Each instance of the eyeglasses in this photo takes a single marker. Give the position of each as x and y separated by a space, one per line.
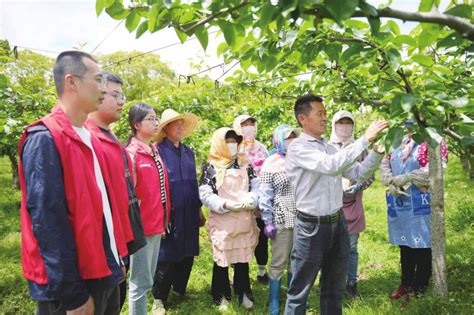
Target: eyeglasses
152 119
119 97
102 81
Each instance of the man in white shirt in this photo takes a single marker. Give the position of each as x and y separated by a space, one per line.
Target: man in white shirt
321 239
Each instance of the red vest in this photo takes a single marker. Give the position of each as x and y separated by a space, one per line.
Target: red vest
147 187
116 170
84 203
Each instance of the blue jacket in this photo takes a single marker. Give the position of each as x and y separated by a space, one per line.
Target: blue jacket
183 239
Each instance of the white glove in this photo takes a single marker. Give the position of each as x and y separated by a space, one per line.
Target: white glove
401 180
233 206
249 204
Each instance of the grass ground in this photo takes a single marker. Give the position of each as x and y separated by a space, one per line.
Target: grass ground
378 262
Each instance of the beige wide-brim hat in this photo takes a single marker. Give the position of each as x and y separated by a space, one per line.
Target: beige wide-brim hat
169 115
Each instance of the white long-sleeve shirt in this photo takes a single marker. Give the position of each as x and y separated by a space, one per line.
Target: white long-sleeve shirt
315 168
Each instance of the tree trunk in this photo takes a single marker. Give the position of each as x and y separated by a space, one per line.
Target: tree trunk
437 222
14 168
464 157
470 157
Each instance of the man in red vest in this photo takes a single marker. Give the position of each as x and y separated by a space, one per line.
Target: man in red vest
73 235
119 165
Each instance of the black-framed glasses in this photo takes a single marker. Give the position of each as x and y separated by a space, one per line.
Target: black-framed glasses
119 97
102 81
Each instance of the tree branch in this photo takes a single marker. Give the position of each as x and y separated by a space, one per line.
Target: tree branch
452 134
377 103
462 26
213 16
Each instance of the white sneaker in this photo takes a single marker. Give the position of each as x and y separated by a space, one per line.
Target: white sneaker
224 305
246 302
158 307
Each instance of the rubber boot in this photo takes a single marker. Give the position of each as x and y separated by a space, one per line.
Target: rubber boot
274 305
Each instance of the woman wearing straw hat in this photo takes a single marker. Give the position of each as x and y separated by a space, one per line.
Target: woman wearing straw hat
229 188
181 244
246 126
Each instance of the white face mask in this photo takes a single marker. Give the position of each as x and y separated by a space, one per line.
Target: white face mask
344 132
249 132
232 147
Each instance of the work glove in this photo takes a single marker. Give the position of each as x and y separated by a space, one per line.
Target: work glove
270 230
352 190
419 180
233 206
249 204
396 191
401 180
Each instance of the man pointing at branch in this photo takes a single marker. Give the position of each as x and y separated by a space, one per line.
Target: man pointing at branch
321 239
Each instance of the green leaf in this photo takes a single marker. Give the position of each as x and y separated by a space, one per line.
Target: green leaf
404 39
351 51
109 3
229 33
202 36
132 21
426 5
266 15
434 137
393 27
221 48
442 70
368 9
271 63
394 58
407 102
99 6
419 136
459 102
333 51
423 60
356 24
374 25
152 14
467 141
116 11
461 10
141 29
452 40
429 35
394 138
3 81
341 9
182 36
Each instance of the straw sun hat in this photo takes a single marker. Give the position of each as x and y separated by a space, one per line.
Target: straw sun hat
169 115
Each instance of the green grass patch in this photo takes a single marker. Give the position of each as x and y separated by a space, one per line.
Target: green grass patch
378 260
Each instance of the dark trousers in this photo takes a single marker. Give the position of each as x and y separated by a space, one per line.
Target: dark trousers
318 246
220 282
106 302
261 251
123 284
172 274
416 267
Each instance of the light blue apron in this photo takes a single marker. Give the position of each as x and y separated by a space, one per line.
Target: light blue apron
408 217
